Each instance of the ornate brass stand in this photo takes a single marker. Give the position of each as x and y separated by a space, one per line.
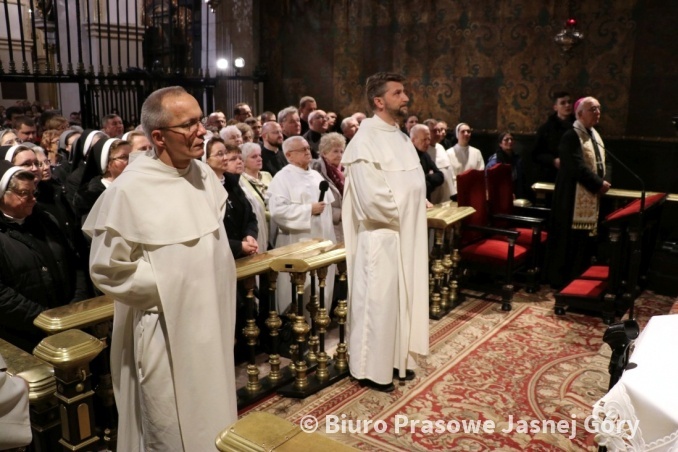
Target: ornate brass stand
70 352
327 372
247 268
443 276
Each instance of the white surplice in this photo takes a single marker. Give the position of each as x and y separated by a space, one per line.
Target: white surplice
289 196
443 192
159 248
385 234
464 158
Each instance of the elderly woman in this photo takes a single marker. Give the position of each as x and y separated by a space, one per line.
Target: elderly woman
331 148
254 183
231 135
582 178
240 222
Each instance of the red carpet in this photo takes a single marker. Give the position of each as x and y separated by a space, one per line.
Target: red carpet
485 365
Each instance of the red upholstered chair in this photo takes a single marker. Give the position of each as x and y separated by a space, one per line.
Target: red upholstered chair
530 222
487 249
611 289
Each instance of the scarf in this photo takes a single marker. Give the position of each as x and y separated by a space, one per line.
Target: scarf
336 176
257 184
586 204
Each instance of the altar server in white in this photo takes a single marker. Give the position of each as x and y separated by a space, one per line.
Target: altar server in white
297 213
385 233
159 248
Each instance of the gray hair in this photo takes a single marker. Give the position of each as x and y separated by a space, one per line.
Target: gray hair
228 130
346 121
19 175
314 113
248 148
285 112
153 114
418 128
288 143
330 141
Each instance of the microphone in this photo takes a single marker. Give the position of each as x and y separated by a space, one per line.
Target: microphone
623 165
324 186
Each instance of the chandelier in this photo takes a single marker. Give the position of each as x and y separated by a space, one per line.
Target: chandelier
569 37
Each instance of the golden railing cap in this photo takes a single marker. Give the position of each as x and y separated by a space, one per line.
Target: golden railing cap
38 374
311 260
76 315
263 432
443 215
260 263
69 348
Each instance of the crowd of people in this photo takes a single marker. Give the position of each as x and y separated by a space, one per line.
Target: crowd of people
168 207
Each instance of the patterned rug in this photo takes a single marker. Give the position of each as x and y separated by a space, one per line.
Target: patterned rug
522 380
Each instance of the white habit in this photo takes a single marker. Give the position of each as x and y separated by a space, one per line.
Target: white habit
442 161
159 248
464 158
15 425
290 195
385 233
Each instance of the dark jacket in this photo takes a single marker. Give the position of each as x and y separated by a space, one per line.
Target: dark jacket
240 220
434 177
272 162
546 146
38 271
513 159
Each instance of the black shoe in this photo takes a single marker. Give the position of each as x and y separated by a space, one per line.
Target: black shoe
409 375
365 383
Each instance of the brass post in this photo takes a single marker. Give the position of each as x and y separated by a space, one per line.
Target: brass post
312 307
435 306
341 313
300 329
70 352
321 322
274 324
251 332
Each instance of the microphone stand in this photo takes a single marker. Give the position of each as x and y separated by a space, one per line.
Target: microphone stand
623 165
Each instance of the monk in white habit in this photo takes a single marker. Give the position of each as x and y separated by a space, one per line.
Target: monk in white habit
293 199
159 248
385 233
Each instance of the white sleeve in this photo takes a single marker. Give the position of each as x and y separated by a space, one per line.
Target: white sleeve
372 197
15 424
120 269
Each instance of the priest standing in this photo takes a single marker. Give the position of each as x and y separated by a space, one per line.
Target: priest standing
386 235
159 248
297 212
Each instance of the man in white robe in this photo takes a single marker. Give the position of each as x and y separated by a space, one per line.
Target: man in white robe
159 248
293 200
385 233
15 424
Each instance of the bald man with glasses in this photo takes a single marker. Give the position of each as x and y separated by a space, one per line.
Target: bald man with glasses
160 249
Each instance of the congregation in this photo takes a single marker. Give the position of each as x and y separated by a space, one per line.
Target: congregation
269 180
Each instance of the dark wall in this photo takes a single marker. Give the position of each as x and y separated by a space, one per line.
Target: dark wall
490 63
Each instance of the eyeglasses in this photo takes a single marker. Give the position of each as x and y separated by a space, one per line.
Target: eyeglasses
191 126
30 164
304 149
507 139
25 194
121 157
